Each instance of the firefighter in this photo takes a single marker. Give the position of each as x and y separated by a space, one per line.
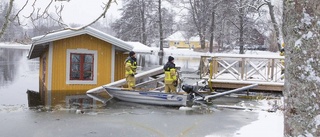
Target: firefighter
282 53
131 67
170 78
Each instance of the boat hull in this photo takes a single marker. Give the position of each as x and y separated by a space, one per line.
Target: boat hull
148 97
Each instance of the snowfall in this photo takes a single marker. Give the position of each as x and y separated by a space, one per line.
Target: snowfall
269 124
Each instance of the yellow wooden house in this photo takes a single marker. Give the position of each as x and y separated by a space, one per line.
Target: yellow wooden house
179 39
72 62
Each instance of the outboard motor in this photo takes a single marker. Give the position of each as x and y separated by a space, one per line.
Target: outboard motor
187 88
190 90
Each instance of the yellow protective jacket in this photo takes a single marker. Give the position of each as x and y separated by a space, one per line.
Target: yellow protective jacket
170 73
282 54
130 66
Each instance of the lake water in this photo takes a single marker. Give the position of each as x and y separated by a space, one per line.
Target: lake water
116 118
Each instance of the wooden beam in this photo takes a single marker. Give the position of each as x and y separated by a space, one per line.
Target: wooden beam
261 87
139 76
150 81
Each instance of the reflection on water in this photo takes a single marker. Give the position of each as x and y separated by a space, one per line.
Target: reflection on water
9 64
17 75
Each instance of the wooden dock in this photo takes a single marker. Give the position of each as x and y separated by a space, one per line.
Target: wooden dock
234 71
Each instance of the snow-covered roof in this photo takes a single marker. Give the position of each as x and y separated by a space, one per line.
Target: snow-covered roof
177 36
37 42
140 48
181 36
14 46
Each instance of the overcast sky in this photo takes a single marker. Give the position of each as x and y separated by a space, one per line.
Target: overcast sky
75 11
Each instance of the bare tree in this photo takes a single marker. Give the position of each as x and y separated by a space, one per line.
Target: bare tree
212 26
132 26
141 21
160 29
7 20
273 20
301 27
200 11
38 13
243 10
13 31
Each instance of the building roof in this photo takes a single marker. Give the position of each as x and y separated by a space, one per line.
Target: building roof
40 43
181 36
140 48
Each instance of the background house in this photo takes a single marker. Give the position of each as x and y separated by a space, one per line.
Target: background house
180 39
72 62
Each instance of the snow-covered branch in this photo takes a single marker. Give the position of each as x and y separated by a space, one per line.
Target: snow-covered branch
38 13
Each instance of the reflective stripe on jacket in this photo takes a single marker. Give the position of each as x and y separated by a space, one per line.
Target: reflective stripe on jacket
170 73
130 66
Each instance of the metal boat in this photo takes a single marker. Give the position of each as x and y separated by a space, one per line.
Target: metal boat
148 97
156 96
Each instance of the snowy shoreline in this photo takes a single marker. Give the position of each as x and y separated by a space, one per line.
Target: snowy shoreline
14 45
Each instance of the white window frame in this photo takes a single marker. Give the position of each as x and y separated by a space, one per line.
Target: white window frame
95 66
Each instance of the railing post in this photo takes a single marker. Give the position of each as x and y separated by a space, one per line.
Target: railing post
269 77
214 66
272 69
201 65
242 67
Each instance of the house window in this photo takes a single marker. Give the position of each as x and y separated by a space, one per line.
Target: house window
81 66
176 43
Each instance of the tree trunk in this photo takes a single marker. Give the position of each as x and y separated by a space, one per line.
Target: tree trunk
241 28
6 21
202 41
161 33
275 24
143 23
301 27
212 31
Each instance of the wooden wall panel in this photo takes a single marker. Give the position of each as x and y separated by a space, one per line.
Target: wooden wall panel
120 58
43 83
88 42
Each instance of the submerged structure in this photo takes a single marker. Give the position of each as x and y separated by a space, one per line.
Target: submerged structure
72 62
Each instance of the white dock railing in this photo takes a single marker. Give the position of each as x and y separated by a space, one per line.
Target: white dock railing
242 68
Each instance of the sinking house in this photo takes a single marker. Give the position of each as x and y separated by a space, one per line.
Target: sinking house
72 62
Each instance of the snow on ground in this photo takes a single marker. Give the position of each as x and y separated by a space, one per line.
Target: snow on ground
269 124
192 53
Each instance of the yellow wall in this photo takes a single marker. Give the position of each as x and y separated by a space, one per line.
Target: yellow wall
88 42
59 88
119 65
182 44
